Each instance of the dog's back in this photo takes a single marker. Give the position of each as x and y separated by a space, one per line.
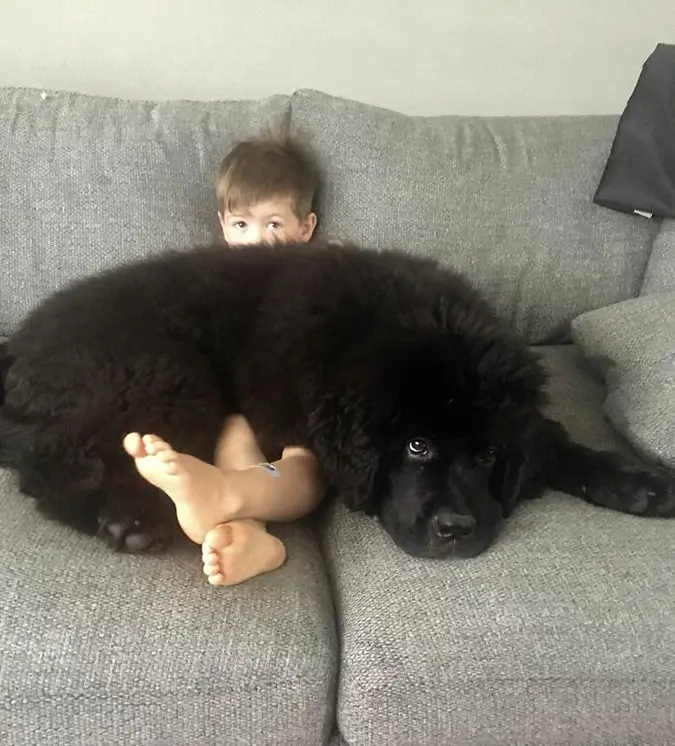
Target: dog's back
143 347
156 346
176 343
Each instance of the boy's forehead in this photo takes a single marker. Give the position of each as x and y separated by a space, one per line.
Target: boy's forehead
275 206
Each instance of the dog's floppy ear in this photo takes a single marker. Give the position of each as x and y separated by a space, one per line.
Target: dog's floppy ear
344 435
514 478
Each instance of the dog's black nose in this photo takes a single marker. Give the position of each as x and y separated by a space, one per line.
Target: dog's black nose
449 525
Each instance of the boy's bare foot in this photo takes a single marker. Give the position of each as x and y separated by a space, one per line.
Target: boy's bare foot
199 490
239 550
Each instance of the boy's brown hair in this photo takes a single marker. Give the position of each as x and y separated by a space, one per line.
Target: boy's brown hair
259 170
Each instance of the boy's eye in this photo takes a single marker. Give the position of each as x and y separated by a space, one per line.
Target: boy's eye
240 224
274 225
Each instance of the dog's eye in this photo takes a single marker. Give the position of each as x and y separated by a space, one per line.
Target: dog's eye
487 457
418 447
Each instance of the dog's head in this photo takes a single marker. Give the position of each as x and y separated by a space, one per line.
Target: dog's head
440 444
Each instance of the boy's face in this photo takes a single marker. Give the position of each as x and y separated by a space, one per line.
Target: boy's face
266 222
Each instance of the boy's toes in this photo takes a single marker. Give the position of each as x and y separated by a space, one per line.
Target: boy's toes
133 445
217 539
212 569
217 579
210 560
166 455
154 444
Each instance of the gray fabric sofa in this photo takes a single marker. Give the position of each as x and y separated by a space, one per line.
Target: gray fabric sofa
563 633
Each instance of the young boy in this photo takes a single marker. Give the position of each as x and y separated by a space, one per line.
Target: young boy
265 192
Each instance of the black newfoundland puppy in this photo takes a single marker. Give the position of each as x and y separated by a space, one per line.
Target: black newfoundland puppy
420 406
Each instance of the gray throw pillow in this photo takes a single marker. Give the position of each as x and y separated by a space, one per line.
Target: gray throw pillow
660 273
632 344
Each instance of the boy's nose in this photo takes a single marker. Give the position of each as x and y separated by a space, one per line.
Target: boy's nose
254 234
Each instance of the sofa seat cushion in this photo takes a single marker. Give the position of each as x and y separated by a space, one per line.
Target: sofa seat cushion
562 633
108 649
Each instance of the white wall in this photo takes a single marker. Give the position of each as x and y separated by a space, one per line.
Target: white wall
417 56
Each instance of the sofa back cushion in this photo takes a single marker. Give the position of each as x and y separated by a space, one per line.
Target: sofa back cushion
509 201
88 182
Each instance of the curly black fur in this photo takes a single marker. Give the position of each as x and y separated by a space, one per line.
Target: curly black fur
5 362
419 404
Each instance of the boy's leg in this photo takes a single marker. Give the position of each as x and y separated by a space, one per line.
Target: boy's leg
235 549
206 495
237 446
295 488
240 549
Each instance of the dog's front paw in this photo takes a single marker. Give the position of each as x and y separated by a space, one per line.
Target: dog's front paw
130 531
645 491
658 492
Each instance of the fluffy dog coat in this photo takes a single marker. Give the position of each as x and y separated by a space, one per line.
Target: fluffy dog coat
420 405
